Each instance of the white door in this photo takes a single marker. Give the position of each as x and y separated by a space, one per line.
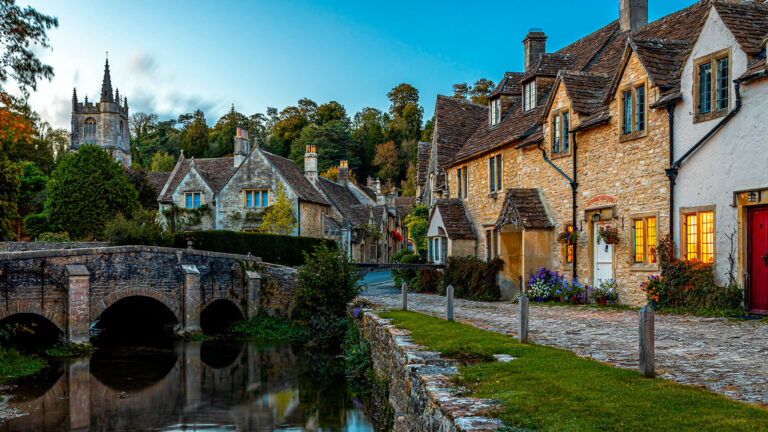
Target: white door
603 258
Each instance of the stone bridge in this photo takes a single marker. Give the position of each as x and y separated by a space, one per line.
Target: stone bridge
73 287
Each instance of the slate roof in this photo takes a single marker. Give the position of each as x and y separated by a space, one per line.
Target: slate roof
509 85
215 171
157 180
523 207
422 162
455 219
662 59
549 64
455 121
343 199
747 21
295 178
585 90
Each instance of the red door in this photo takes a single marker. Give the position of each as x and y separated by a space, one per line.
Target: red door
758 260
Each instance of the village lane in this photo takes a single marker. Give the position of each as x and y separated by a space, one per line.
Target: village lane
726 356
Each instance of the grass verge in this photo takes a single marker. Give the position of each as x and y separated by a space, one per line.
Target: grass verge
14 364
549 389
270 329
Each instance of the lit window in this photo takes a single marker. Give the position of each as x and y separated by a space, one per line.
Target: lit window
560 133
633 109
569 248
713 77
645 240
699 236
494 172
529 96
192 200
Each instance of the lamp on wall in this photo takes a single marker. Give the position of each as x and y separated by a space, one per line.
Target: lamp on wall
595 217
752 197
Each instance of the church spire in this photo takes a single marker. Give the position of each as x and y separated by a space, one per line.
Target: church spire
106 85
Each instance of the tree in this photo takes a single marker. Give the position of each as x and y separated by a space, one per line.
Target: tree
162 162
368 131
279 218
142 124
10 181
426 133
223 133
333 142
332 174
460 91
400 97
32 189
418 223
408 186
329 112
194 140
480 91
286 130
140 181
86 190
387 159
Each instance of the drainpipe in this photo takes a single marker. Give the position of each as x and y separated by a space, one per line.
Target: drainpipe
671 172
574 187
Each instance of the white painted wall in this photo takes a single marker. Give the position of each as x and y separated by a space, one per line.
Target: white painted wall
736 158
435 223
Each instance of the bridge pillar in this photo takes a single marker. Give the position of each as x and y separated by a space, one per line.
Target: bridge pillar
191 297
80 395
253 285
78 316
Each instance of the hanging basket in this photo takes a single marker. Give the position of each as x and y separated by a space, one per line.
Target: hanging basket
568 238
608 235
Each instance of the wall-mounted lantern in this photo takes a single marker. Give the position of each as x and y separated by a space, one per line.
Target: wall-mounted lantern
752 197
595 217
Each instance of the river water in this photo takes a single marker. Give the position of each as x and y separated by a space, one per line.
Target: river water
191 386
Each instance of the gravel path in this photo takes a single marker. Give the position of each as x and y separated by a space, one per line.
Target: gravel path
726 356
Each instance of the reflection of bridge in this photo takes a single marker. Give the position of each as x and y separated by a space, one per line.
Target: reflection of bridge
248 388
73 287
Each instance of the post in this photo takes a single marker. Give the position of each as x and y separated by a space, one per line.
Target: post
78 311
253 285
522 312
191 290
646 342
405 296
449 303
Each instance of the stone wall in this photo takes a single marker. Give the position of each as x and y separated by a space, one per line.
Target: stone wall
254 173
279 286
420 388
33 246
312 218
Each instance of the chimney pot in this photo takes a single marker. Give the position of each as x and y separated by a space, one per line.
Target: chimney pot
343 174
535 44
633 14
242 146
310 163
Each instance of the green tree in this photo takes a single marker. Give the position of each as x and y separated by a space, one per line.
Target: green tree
408 186
286 131
10 182
86 190
480 91
461 90
329 112
418 223
223 133
404 104
140 180
333 141
162 162
367 132
426 133
32 189
278 218
194 134
387 159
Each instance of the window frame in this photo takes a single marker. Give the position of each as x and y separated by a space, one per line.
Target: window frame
89 130
459 183
192 194
495 173
494 112
491 244
697 211
569 249
260 192
714 79
529 95
560 120
634 131
648 257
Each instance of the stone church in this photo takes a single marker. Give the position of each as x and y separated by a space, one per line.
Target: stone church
104 123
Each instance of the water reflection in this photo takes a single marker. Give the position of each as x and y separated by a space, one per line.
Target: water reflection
193 386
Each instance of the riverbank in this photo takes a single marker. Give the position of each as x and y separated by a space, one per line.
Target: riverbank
544 388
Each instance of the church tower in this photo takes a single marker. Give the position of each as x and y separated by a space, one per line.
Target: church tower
104 123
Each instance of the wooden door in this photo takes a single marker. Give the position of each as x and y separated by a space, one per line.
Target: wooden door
603 257
758 260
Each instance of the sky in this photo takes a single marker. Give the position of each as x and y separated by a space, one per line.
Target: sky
172 57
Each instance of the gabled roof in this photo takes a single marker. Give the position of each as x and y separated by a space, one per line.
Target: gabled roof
422 162
662 59
524 208
586 91
158 179
214 171
295 179
344 200
509 85
455 121
748 21
548 65
455 219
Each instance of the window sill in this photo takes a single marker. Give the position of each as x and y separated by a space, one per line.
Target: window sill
493 195
560 155
644 267
700 118
632 136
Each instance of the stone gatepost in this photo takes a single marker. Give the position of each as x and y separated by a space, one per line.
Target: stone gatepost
191 296
253 285
78 304
79 381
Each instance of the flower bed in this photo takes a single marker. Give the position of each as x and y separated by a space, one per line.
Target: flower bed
546 285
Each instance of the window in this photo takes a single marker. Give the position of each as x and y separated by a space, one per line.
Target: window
466 191
89 130
560 133
712 85
633 107
491 244
529 96
569 247
458 182
434 249
495 111
644 237
253 198
192 200
699 236
494 172
120 132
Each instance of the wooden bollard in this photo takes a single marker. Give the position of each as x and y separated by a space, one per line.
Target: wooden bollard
404 287
522 314
647 342
449 303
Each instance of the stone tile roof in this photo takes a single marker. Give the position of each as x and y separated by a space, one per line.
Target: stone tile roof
757 69
662 59
157 180
748 21
343 199
455 219
509 85
585 90
549 64
599 117
368 191
295 179
422 162
215 171
524 208
455 121
587 51
405 201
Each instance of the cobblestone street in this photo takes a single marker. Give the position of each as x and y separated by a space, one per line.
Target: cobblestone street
729 357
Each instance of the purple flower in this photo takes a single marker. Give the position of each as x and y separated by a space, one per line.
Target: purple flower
356 312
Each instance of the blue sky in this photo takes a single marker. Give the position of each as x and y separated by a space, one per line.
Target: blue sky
172 57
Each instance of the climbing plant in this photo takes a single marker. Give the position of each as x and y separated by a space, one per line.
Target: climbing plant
180 219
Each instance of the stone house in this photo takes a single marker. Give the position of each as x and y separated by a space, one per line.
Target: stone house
579 140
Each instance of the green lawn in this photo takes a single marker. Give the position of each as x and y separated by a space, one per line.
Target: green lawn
548 389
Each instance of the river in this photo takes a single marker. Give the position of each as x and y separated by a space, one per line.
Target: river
190 386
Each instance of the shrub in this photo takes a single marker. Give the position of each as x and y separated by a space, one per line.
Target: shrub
36 224
418 223
472 278
272 248
405 256
270 329
53 237
144 228
545 284
430 280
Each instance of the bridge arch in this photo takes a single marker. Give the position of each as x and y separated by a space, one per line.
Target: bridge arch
110 299
218 313
20 308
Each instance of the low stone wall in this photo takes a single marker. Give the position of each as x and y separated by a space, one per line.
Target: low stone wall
420 388
279 287
33 246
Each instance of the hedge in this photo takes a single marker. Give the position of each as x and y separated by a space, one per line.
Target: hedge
272 248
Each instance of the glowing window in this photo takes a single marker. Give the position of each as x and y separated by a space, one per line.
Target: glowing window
699 236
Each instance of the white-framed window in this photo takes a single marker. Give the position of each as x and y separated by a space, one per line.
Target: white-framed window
529 96
494 172
255 198
495 114
560 132
193 200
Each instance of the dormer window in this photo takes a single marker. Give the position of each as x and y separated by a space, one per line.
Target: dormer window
712 85
495 111
529 96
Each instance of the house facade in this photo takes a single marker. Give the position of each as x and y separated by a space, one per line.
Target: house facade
584 139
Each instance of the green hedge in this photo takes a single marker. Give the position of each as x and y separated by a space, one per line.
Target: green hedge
473 278
272 248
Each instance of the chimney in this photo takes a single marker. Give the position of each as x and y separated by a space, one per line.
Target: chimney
633 14
343 175
535 44
242 146
380 197
310 163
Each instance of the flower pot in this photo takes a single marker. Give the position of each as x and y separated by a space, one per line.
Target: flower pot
575 299
601 301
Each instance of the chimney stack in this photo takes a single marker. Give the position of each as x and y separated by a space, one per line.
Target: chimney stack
380 197
633 14
310 163
242 145
343 175
535 44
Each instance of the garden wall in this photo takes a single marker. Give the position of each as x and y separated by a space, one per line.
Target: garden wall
420 388
33 246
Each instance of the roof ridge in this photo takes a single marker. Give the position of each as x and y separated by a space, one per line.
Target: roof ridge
460 100
585 73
